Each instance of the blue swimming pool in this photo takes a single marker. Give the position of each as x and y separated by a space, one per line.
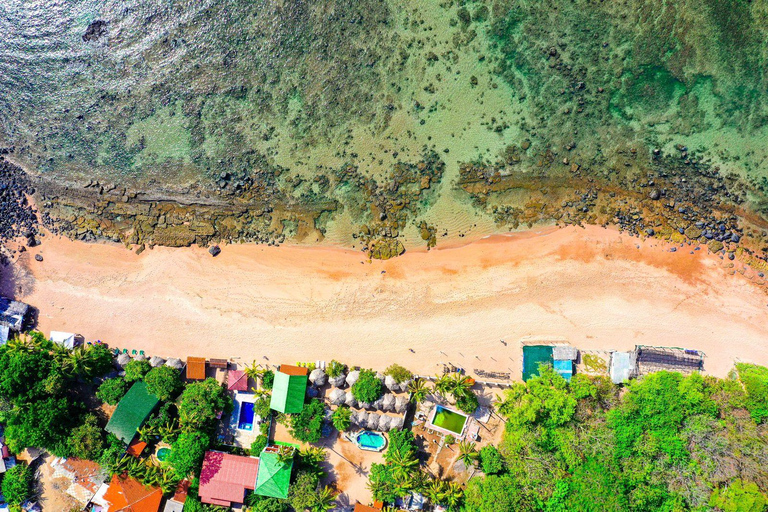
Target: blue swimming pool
371 441
246 416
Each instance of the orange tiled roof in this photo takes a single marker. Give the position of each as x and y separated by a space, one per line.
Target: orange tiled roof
292 370
129 495
196 368
136 447
359 507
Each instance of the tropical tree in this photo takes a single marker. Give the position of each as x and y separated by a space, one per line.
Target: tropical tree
136 370
403 464
435 491
325 499
163 382
200 404
285 454
453 495
368 387
443 384
342 418
17 484
467 453
418 389
112 390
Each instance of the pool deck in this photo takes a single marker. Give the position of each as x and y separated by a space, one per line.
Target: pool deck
243 438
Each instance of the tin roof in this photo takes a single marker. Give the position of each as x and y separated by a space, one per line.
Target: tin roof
225 477
196 368
131 412
237 380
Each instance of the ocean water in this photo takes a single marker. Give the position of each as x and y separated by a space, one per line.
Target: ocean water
168 93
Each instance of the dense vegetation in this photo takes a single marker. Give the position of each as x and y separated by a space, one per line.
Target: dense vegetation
368 387
671 442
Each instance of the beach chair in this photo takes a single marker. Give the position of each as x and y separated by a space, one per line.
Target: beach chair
125 351
133 352
117 351
141 352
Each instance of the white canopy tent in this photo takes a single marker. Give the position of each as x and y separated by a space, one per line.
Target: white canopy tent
66 339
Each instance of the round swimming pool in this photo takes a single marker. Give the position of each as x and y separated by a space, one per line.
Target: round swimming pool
371 441
162 453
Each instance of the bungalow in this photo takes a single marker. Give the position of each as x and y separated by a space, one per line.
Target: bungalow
126 494
65 339
224 478
131 412
12 314
289 389
274 477
195 368
84 477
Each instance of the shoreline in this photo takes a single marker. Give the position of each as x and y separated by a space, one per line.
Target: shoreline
593 287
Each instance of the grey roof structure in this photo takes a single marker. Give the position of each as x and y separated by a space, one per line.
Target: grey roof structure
564 353
12 313
622 366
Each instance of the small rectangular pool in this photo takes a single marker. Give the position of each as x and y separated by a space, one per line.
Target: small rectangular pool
449 420
245 421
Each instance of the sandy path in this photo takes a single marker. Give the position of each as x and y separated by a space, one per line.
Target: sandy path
594 288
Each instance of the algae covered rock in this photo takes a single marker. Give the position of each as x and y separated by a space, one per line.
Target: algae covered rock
386 248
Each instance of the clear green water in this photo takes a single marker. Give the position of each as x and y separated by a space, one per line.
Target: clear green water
176 92
163 454
449 420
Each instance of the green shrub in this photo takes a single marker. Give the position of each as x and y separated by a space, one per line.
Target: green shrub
491 460
163 382
112 390
342 418
399 373
268 379
87 440
335 368
306 426
258 445
739 496
136 370
17 484
187 453
755 380
467 401
368 387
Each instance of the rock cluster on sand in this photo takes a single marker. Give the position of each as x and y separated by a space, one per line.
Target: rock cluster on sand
17 217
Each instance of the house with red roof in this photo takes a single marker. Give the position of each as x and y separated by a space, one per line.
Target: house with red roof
224 478
237 380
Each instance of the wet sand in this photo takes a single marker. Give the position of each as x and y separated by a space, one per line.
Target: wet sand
595 288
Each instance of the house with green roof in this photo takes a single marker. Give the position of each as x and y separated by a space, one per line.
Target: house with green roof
274 476
131 412
289 389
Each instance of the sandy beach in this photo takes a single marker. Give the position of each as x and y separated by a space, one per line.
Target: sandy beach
595 288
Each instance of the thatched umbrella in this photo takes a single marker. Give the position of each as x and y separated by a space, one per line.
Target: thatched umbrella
140 357
388 402
363 405
384 421
155 361
391 384
373 421
358 418
401 404
378 404
336 396
338 381
404 385
122 360
318 377
396 422
352 377
349 399
174 363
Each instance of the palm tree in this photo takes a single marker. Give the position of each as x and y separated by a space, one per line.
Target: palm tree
285 454
467 453
403 465
453 495
435 491
460 384
147 433
118 465
21 343
323 500
443 384
78 363
255 371
168 482
418 390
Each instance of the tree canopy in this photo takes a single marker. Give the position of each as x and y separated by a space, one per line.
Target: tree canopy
306 426
368 387
200 404
163 382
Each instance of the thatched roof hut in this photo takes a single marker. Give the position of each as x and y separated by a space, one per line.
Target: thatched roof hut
384 422
122 360
174 363
352 377
388 402
156 361
373 421
401 404
339 381
337 396
391 384
318 377
349 399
